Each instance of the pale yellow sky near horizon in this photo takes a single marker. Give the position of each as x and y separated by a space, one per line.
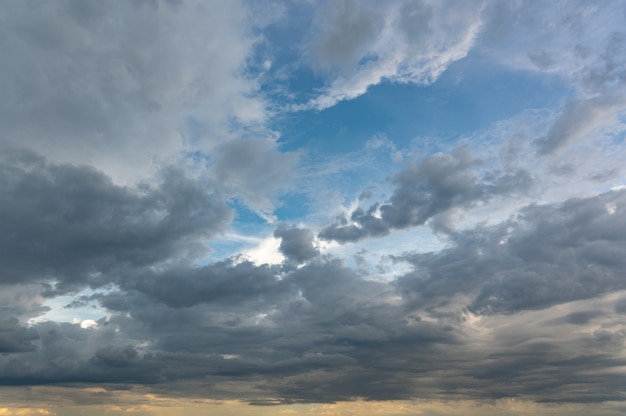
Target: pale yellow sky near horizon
153 405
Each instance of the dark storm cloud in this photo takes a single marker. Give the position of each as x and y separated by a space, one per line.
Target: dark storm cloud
71 224
323 333
322 317
296 243
224 282
66 353
548 255
15 338
424 190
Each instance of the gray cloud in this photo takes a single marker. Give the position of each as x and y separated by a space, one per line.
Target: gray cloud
296 243
581 317
322 317
22 301
107 85
223 282
15 338
361 43
579 118
71 225
346 32
255 170
323 333
607 72
549 255
425 190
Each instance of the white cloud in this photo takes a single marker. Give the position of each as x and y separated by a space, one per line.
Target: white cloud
363 43
88 323
266 252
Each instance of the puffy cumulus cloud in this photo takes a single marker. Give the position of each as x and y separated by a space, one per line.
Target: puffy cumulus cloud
296 243
71 225
427 189
124 86
363 43
549 254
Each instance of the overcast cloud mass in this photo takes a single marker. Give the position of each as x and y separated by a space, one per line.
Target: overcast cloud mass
322 207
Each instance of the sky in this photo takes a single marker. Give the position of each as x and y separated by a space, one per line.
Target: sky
312 207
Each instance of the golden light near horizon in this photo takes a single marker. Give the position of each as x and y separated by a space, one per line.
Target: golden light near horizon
504 407
133 402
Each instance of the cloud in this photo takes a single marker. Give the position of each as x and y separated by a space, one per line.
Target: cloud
71 226
15 338
581 118
223 282
586 53
549 255
321 317
427 189
347 29
296 243
22 301
363 43
356 45
526 306
255 170
128 86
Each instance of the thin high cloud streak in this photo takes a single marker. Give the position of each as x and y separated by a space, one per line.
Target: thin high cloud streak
137 134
